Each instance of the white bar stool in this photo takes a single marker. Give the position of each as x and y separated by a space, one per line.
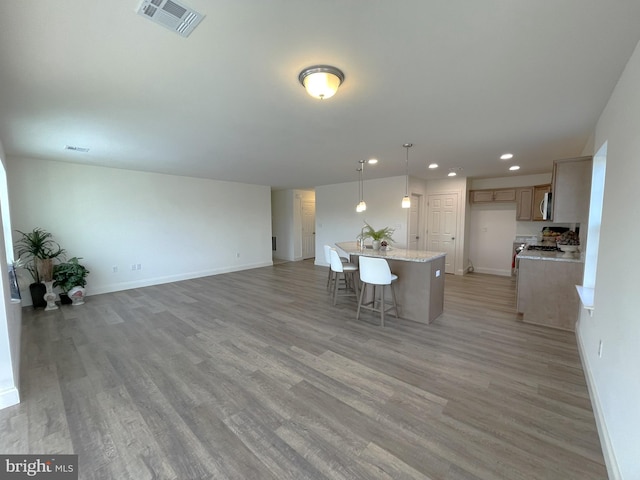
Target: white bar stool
376 272
348 271
327 258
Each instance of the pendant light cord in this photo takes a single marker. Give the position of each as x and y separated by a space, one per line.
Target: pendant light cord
406 188
361 180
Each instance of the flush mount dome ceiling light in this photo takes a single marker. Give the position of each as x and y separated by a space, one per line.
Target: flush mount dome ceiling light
321 81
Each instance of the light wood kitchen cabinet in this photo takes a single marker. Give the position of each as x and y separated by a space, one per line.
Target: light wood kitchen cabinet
504 195
524 204
493 195
538 197
547 294
528 200
480 196
571 190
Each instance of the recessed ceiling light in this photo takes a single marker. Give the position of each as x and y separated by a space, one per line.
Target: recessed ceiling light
451 174
514 167
372 161
433 165
506 156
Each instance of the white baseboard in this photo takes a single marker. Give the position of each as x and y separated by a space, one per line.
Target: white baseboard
118 287
613 469
9 397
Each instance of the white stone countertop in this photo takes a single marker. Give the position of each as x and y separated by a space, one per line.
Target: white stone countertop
553 256
392 253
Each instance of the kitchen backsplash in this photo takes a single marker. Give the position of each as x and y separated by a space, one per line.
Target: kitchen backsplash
527 229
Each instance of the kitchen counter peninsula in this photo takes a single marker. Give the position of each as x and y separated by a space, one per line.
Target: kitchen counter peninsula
546 288
551 256
420 284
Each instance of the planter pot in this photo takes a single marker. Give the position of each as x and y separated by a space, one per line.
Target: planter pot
376 244
37 294
77 294
64 299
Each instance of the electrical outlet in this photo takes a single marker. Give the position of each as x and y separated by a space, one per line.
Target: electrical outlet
238 255
139 266
133 267
115 269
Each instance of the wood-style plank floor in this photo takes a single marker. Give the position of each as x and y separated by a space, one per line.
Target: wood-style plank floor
256 375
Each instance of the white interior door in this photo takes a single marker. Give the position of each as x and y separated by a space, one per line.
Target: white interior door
442 224
415 241
308 229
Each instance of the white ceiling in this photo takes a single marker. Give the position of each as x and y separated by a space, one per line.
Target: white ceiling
463 80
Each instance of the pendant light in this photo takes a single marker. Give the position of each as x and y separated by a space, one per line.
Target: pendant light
406 201
362 206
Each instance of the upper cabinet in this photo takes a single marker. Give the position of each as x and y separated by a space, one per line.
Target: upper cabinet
571 189
524 204
538 198
529 201
494 195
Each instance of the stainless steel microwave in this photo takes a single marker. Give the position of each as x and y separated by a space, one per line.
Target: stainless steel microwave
545 207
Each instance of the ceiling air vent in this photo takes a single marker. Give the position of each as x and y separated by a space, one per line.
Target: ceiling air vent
172 15
76 149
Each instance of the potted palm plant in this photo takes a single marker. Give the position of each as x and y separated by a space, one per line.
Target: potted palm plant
37 251
377 236
71 278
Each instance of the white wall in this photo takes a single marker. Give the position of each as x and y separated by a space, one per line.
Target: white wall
10 327
337 220
615 377
511 181
491 232
174 227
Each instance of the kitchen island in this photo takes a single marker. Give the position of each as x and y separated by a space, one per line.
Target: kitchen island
420 284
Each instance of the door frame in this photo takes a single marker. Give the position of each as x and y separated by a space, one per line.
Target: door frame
420 198
312 252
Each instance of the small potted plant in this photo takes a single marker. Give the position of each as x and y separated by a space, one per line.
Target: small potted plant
36 251
377 236
71 278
